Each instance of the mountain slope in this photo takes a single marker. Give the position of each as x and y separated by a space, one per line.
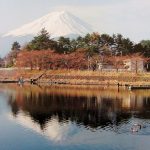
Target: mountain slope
56 23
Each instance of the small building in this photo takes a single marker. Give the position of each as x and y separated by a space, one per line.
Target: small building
105 67
130 65
134 65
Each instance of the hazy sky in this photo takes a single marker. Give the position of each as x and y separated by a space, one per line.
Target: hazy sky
128 17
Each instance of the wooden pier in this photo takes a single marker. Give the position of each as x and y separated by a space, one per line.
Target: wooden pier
8 81
138 87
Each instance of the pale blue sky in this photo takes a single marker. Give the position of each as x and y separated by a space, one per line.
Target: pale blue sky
129 17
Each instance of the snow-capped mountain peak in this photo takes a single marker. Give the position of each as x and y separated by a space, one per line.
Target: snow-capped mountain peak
60 23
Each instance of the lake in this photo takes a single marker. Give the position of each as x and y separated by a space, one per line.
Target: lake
64 117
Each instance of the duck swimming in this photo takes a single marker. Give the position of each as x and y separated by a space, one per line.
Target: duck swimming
136 127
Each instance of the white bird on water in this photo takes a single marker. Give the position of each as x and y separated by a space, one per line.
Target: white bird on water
136 127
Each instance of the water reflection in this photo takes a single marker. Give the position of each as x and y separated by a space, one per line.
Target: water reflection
56 111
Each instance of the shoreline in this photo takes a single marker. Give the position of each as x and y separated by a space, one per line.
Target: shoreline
76 77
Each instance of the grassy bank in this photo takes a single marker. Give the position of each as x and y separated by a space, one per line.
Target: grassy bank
90 77
79 77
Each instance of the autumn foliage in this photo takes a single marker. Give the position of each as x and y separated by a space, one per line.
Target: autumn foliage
92 52
48 59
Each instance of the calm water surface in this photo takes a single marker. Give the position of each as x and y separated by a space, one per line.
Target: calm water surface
73 118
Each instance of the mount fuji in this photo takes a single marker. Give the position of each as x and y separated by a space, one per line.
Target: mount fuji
58 24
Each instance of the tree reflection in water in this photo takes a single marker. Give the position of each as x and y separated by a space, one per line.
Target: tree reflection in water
93 111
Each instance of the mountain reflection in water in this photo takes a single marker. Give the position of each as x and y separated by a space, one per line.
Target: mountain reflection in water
54 110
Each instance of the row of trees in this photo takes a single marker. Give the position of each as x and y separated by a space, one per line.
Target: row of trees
93 43
80 53
48 59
